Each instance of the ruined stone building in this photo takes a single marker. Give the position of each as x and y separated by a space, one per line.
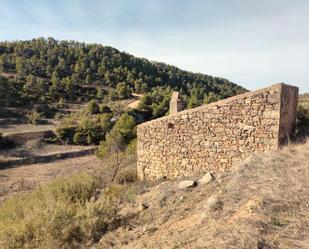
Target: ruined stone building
216 136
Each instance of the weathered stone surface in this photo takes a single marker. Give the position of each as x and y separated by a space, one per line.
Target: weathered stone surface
175 104
213 203
207 178
187 184
217 136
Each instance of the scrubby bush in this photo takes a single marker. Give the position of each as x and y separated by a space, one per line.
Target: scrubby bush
34 117
105 109
66 133
84 129
302 123
131 148
114 144
61 103
62 214
93 107
45 110
118 161
112 95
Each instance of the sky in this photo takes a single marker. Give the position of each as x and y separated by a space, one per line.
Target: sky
252 43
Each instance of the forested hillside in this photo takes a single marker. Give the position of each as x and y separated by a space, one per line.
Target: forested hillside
45 70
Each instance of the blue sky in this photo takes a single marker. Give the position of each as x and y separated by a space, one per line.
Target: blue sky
253 43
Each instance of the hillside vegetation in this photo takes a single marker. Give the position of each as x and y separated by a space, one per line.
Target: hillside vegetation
83 88
49 70
304 100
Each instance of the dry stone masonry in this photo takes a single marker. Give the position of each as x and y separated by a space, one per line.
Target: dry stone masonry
175 103
215 137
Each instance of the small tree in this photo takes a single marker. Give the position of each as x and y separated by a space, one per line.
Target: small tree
112 150
88 79
125 125
112 95
34 117
144 102
99 93
122 90
93 107
61 102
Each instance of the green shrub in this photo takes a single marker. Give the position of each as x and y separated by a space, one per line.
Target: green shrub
85 129
66 133
93 107
131 148
79 138
114 144
45 110
125 125
122 90
105 109
34 117
61 214
61 103
112 95
302 123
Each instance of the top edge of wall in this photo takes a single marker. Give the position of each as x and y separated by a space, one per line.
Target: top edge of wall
222 102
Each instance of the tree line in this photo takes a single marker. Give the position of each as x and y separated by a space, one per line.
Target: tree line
46 70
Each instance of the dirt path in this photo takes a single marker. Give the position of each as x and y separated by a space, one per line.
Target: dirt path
135 103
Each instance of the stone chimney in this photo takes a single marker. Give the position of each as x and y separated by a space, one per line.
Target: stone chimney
175 104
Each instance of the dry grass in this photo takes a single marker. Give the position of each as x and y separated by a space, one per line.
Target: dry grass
269 199
26 178
265 205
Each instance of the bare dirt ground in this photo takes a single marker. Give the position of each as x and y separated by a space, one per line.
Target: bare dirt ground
26 178
20 128
32 148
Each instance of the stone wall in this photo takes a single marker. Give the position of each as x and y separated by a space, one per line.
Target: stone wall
215 137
